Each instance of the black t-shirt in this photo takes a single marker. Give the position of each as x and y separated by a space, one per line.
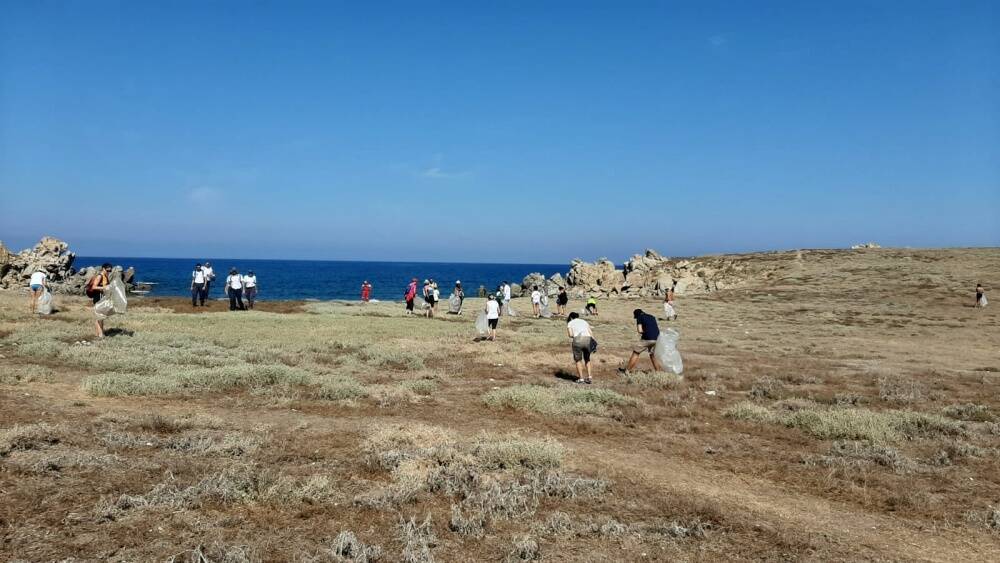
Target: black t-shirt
650 330
562 299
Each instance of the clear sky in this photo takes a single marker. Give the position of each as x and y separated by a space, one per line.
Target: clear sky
497 131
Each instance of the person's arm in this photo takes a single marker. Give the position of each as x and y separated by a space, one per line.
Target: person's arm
569 332
638 328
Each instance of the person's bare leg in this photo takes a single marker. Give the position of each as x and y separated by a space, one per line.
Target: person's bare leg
579 369
633 359
99 326
588 371
652 359
34 302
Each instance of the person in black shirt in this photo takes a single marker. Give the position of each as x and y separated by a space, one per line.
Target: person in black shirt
561 301
649 331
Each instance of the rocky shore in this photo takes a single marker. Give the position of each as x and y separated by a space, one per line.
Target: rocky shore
54 257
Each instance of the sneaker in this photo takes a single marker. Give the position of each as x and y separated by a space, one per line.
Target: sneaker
588 381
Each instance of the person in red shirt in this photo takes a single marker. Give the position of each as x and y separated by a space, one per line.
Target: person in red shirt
366 291
410 295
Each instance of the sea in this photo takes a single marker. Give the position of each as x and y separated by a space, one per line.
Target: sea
321 279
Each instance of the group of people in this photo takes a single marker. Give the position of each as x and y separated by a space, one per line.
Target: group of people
431 294
237 287
583 344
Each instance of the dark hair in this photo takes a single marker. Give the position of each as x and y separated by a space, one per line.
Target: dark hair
561 288
106 266
534 287
198 265
573 315
636 313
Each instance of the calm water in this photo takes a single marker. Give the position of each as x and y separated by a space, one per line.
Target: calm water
309 279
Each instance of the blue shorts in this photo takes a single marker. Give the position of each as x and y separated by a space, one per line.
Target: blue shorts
36 286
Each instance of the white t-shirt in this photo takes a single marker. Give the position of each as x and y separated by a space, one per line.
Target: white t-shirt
536 296
579 327
198 276
506 293
209 272
234 281
250 281
492 309
38 278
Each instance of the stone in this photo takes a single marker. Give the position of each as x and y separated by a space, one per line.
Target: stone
52 256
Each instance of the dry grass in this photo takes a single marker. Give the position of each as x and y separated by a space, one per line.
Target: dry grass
558 400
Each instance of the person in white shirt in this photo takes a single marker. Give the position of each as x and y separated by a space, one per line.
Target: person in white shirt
583 345
506 297
250 288
209 278
234 287
199 286
536 301
38 284
492 315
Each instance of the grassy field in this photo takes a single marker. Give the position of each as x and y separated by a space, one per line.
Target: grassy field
846 410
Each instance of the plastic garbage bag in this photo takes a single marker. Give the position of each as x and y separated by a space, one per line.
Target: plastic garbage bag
419 303
666 352
45 303
510 310
481 325
104 308
454 304
116 293
983 302
544 311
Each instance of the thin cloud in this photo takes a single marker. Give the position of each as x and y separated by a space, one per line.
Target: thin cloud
436 173
204 195
718 40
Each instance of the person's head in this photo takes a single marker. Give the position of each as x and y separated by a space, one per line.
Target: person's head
979 285
208 264
534 288
572 316
561 288
106 267
233 271
637 313
427 282
492 297
250 273
197 266
458 283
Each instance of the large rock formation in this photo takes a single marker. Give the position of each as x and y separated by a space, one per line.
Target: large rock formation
52 256
598 277
549 286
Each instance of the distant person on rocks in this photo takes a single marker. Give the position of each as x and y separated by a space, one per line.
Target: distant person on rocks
561 301
649 331
199 286
492 316
429 298
209 278
536 301
460 293
482 291
234 288
38 284
250 288
981 300
366 292
592 306
95 290
668 303
582 345
410 295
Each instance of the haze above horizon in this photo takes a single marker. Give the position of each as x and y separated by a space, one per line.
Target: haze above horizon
536 133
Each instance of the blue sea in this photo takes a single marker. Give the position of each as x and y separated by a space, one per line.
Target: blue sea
323 280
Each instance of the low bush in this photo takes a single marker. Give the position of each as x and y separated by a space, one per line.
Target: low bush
557 401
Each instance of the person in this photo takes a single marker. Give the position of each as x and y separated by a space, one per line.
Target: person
649 331
460 293
234 288
250 288
429 298
366 292
499 296
506 296
95 290
492 316
536 301
668 303
561 301
410 295
581 338
199 286
436 292
980 296
38 285
209 278
592 306
482 291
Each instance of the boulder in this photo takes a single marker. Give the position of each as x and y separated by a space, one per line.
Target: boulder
531 281
598 277
50 255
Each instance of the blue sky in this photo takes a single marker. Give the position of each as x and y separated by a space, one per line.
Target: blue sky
503 131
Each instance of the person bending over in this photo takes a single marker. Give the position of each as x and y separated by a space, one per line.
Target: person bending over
38 284
649 331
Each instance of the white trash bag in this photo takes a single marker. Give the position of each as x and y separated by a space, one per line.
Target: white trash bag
482 327
104 308
45 303
983 302
454 304
116 293
666 352
544 311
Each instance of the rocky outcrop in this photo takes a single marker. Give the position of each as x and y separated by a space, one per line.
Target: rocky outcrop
597 277
865 245
52 256
548 286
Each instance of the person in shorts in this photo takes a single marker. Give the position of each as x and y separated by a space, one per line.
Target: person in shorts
492 316
536 301
561 301
668 303
38 283
428 294
649 331
95 290
582 339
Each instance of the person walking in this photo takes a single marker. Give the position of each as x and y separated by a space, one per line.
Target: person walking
460 293
436 294
38 285
250 288
410 295
234 288
981 300
506 297
95 290
561 301
209 278
199 286
581 344
536 301
492 316
428 294
482 292
668 303
649 331
366 292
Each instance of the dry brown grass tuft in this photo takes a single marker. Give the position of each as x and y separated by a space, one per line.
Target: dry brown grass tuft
29 436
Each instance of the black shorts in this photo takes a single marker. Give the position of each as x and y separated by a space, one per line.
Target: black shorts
96 297
493 323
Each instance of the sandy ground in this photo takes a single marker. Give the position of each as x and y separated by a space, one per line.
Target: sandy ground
92 471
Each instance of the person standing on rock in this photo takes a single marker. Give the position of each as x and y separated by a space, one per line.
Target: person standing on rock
649 331
536 301
582 345
95 290
234 288
668 303
38 285
250 288
199 286
492 316
410 295
561 301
